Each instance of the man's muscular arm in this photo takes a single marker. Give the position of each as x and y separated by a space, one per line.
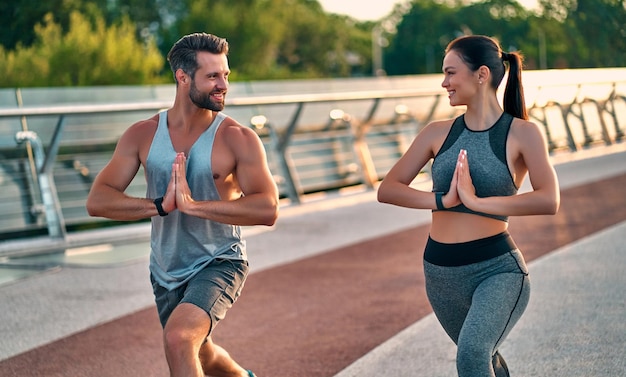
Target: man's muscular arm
259 203
107 198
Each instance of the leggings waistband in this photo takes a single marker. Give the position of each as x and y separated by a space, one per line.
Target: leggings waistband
464 253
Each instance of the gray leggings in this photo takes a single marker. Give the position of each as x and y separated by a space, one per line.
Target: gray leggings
477 303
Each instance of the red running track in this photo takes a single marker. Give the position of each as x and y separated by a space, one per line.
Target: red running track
316 316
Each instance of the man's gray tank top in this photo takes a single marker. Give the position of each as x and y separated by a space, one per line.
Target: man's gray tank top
486 153
181 244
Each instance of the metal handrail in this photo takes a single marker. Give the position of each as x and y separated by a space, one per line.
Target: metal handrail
79 109
280 140
54 216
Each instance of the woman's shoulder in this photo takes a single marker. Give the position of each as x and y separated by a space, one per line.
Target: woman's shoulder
440 125
527 133
437 130
522 127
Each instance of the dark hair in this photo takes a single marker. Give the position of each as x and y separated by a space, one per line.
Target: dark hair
480 50
183 54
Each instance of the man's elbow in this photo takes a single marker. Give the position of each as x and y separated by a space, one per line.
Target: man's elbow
93 209
269 214
270 220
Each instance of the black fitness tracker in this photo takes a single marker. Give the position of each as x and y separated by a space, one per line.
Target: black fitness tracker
158 202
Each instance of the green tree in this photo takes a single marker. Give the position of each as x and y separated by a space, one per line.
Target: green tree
546 44
88 54
274 39
421 36
99 42
506 20
250 28
599 31
19 17
428 27
562 34
317 44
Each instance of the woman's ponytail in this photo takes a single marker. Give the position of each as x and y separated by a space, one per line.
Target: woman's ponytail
513 101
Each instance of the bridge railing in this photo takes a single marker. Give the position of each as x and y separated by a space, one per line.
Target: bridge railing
315 141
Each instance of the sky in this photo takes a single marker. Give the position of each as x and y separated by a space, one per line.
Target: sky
373 10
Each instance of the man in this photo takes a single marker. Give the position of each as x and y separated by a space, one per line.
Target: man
207 175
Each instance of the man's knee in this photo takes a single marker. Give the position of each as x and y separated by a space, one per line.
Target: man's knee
186 328
175 337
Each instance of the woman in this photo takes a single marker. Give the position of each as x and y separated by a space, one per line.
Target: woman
476 278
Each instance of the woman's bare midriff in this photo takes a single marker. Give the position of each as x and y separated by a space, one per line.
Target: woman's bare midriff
455 227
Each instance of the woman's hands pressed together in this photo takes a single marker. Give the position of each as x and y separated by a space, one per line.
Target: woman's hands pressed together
462 189
465 187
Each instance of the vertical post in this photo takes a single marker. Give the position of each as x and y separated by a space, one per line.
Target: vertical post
570 137
50 200
293 189
377 52
32 165
543 63
285 165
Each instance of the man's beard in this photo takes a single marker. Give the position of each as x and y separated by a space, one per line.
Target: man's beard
203 100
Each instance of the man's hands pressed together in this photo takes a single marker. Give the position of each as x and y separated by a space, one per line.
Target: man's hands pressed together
182 192
178 194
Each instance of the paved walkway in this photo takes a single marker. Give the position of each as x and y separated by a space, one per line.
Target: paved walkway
573 327
318 301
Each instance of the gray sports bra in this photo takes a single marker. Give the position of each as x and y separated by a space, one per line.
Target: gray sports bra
486 153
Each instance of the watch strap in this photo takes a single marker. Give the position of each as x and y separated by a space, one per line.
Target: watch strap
158 203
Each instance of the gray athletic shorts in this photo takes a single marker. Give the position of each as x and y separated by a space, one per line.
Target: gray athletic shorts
215 289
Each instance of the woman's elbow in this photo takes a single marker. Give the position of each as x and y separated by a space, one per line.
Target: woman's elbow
551 207
554 207
382 195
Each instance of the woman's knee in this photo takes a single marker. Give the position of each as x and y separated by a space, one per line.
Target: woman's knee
473 360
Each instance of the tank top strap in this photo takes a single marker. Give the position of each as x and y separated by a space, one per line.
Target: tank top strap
161 137
498 135
219 118
455 131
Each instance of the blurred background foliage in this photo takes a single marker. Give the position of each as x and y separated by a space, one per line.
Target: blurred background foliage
124 42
